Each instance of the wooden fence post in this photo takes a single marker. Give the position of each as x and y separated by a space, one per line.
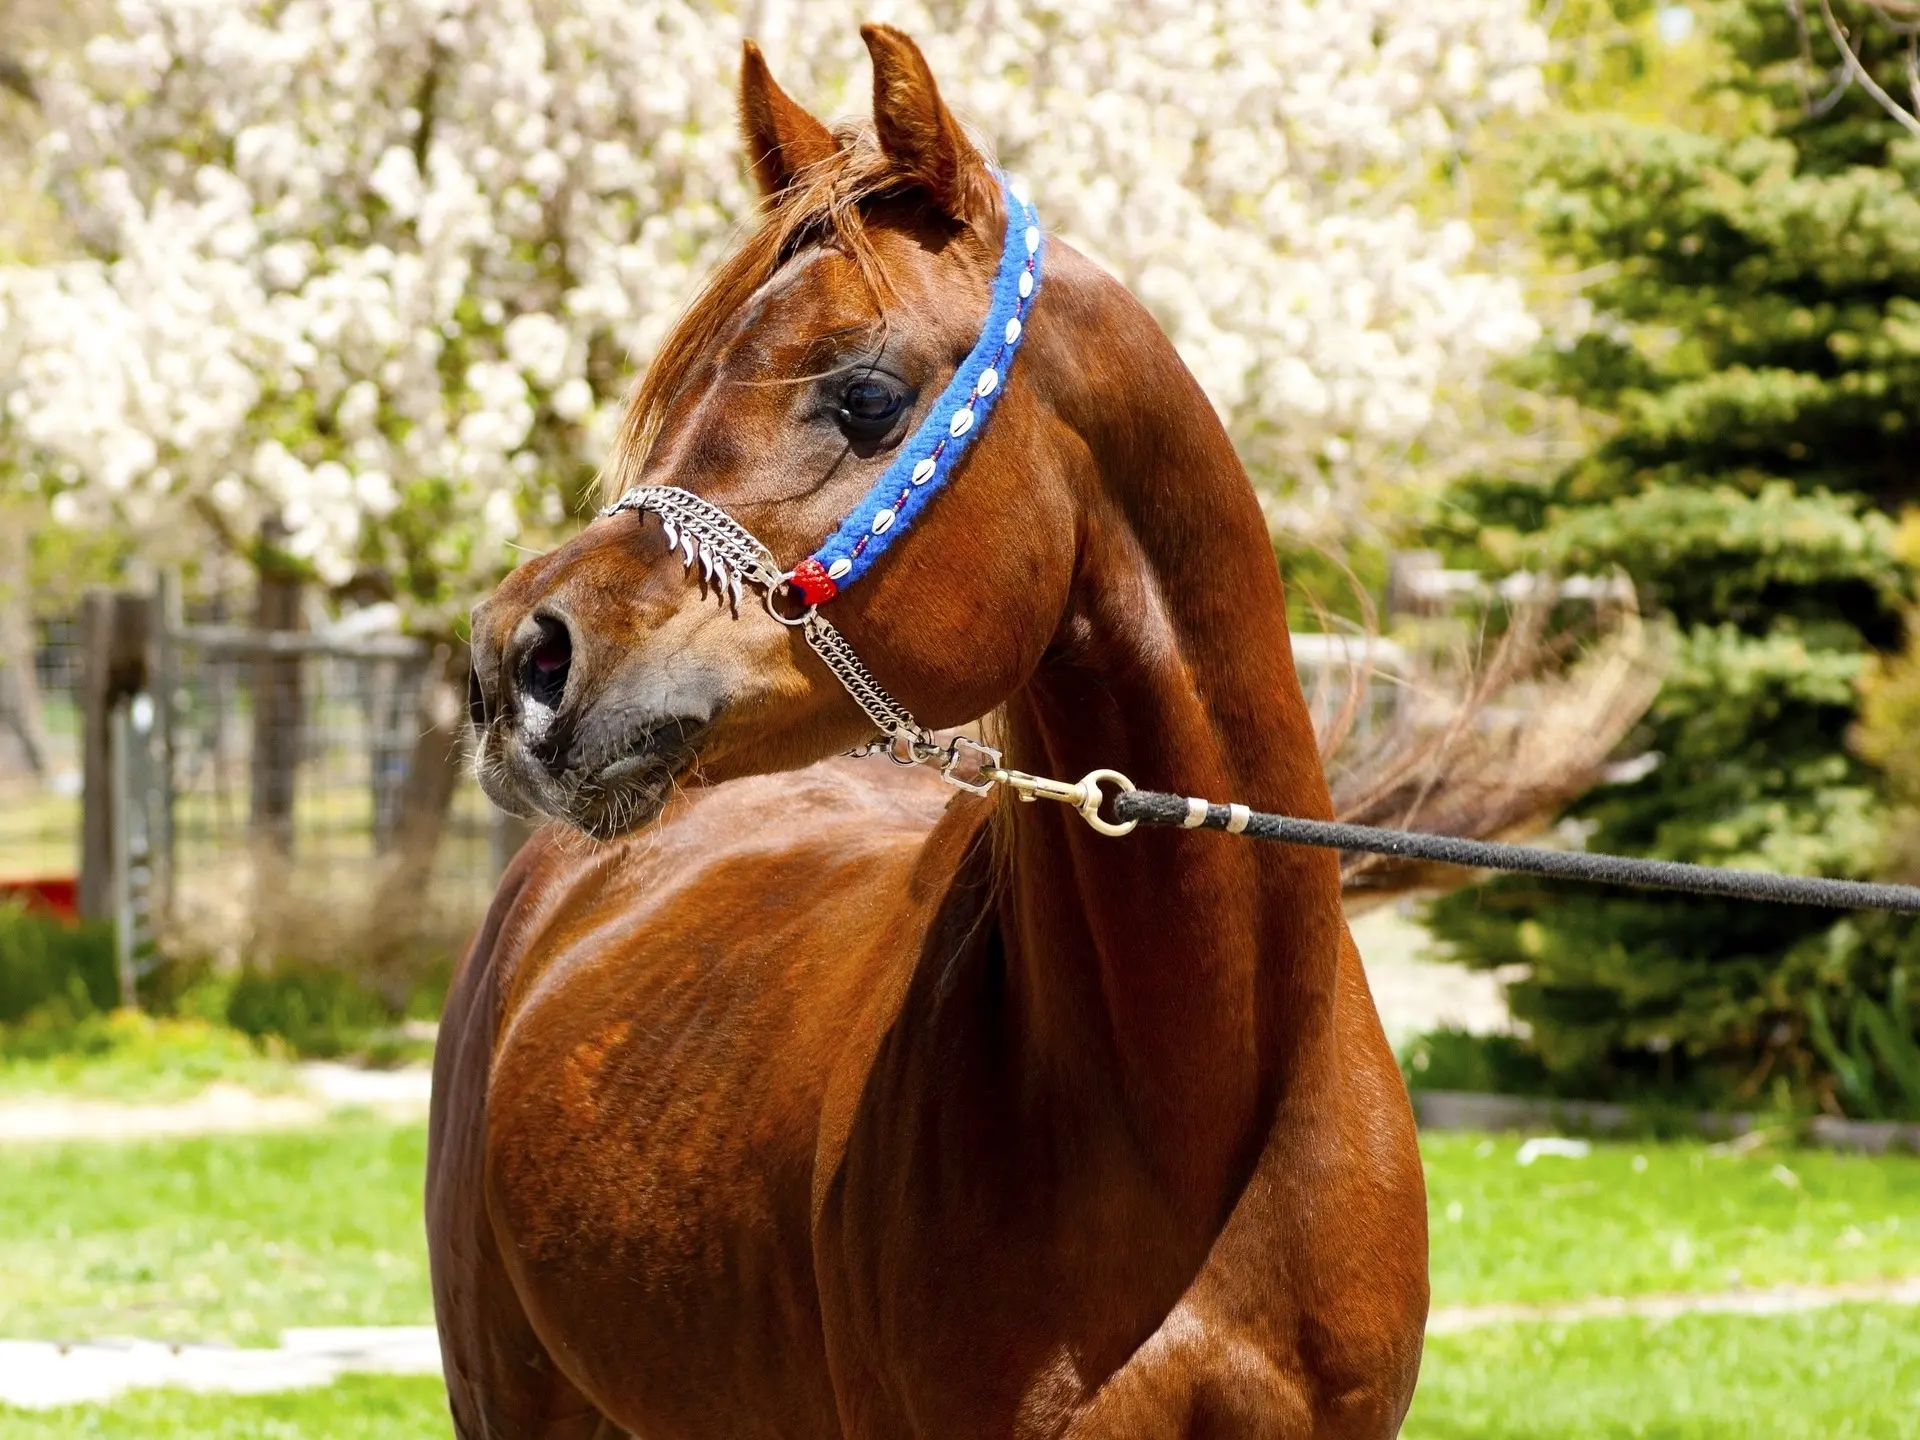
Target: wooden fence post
278 702
120 768
116 637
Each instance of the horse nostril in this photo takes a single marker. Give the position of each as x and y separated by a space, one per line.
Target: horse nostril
476 699
544 678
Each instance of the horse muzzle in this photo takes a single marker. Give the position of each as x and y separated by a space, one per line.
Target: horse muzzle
596 741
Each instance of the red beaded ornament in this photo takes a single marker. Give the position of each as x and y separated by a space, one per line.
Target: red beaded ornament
810 578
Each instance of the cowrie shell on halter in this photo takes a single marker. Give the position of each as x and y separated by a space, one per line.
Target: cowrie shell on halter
962 421
1033 239
989 378
839 568
882 522
923 472
1013 329
1026 283
1021 192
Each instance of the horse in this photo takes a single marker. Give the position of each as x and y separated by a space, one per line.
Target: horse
782 1094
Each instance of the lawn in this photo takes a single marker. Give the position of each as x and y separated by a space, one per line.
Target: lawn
229 1238
358 1407
237 1238
1842 1374
1634 1219
1846 1374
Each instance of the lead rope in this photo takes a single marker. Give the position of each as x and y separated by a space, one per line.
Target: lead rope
1133 807
1149 807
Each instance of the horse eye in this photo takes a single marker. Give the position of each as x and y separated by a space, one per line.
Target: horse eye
868 406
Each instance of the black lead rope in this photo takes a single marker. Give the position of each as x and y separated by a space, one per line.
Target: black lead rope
1151 807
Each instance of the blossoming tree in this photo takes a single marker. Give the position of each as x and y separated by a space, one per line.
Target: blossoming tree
381 269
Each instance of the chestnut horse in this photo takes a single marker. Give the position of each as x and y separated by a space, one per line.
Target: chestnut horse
818 1104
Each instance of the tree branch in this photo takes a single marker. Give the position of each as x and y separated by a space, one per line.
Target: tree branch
1799 13
14 77
1906 118
1913 66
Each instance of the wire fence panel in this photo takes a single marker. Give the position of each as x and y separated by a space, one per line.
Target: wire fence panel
267 773
290 757
40 758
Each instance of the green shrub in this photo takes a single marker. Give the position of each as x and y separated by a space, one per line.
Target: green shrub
60 1029
129 1055
318 1010
1866 1027
1459 1060
1510 1065
44 960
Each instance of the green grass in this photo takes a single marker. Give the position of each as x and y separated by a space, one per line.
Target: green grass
237 1238
220 1238
357 1407
1851 1373
1842 1374
126 1055
1641 1218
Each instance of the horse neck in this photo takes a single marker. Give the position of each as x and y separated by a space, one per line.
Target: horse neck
1197 970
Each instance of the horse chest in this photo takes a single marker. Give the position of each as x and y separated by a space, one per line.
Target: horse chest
680 1229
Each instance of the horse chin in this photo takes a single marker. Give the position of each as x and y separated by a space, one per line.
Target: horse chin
604 795
604 809
623 774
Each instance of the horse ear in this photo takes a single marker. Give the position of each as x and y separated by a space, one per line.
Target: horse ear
917 131
782 139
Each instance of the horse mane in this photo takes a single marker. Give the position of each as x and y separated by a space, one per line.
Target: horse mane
826 204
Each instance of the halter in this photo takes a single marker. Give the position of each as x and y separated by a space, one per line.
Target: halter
730 555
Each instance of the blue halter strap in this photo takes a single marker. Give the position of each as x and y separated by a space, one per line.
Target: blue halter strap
917 473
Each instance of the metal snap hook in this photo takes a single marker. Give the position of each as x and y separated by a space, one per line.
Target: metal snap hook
1091 800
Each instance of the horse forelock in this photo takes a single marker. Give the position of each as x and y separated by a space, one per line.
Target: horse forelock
826 205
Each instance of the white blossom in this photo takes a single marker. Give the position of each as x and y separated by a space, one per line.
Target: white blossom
538 344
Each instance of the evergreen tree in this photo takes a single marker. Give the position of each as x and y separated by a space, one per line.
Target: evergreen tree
1756 359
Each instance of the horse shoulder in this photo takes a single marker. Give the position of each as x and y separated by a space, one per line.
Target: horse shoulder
655 1026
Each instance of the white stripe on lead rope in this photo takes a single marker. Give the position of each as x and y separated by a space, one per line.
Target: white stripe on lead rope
1196 813
1237 818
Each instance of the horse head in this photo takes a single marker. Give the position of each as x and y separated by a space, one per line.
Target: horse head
612 669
